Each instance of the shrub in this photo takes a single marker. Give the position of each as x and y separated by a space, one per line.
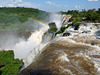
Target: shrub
52 25
53 29
75 23
59 32
63 28
9 65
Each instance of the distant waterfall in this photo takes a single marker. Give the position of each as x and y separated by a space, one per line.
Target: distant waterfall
65 19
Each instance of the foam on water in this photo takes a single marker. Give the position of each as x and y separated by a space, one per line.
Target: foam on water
63 57
67 54
77 54
32 57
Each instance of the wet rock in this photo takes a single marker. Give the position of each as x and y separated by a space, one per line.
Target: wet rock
97 33
76 27
94 43
66 34
86 31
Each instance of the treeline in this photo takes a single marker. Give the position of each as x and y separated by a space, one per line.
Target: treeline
91 15
13 17
22 11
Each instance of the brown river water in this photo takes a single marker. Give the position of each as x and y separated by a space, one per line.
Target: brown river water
77 54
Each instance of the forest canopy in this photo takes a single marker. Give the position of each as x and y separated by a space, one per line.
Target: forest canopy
91 15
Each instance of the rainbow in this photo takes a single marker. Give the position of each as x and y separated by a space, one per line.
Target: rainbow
40 22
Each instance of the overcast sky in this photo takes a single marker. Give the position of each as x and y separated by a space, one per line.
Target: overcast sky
52 5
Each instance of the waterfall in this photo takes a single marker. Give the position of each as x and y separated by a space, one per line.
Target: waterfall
37 50
75 54
78 54
23 48
64 56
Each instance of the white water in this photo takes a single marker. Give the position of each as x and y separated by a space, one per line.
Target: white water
32 48
29 50
33 56
79 45
23 48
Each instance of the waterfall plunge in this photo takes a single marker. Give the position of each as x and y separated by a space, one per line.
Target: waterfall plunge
23 48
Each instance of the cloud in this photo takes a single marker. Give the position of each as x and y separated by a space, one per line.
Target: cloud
18 3
15 1
92 0
1 6
77 7
27 4
50 3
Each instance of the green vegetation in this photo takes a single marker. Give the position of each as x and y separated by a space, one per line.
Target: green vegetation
53 29
91 15
74 23
52 26
9 65
62 29
25 12
20 19
14 17
59 32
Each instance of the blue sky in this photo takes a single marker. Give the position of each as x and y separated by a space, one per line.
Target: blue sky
52 5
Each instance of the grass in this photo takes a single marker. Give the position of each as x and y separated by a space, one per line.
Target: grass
9 65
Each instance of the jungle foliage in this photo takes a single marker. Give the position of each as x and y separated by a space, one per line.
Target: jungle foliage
14 17
9 65
91 15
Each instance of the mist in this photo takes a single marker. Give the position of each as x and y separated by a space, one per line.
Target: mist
11 39
14 38
57 18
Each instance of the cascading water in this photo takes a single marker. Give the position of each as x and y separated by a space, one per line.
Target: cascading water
27 46
48 36
22 47
37 50
76 54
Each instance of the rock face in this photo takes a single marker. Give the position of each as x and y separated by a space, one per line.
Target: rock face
64 56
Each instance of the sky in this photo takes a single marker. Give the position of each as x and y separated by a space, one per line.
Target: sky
52 5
